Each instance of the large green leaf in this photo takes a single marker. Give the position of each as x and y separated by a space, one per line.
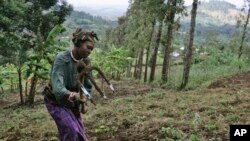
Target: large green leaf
53 34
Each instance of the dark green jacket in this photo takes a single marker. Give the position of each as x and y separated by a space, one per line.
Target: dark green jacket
63 75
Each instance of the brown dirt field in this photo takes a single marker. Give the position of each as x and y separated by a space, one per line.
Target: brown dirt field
123 88
152 109
238 80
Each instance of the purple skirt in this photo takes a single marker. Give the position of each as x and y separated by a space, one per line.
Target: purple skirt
69 125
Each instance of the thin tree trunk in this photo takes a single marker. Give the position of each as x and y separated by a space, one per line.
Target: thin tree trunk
20 84
1 82
26 88
11 85
112 73
167 49
140 64
2 89
188 56
129 70
154 58
148 50
136 67
31 96
244 35
146 65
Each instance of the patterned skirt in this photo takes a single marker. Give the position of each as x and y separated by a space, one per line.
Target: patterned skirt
69 124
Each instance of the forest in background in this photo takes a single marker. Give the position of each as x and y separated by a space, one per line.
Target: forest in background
157 48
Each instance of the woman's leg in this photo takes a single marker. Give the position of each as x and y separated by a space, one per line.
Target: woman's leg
69 126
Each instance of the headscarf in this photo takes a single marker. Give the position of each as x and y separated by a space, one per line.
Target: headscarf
81 34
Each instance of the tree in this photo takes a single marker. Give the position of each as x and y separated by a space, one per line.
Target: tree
43 16
155 52
13 38
170 18
40 64
156 10
189 51
244 32
25 25
144 29
148 50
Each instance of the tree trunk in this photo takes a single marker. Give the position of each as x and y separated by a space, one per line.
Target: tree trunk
129 70
2 89
136 67
188 56
32 92
140 66
244 35
167 50
146 64
20 84
148 50
26 88
154 57
31 96
11 85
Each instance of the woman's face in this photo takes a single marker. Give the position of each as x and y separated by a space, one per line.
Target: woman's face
85 49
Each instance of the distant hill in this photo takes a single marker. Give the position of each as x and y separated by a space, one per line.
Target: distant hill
88 22
217 16
109 13
216 12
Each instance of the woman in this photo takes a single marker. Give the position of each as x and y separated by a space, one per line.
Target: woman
61 93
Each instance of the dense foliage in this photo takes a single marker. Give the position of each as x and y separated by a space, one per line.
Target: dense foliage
33 31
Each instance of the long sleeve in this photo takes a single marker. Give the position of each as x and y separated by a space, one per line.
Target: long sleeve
57 79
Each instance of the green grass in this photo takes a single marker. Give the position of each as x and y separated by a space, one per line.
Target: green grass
200 76
197 115
26 123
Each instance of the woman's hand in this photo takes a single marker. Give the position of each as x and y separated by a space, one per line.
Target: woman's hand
72 96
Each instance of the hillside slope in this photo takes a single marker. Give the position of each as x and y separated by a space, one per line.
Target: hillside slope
88 22
215 16
203 114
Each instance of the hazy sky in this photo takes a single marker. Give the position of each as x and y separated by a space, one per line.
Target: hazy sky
90 3
104 3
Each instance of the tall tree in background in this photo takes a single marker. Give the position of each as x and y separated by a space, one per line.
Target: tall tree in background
24 26
42 16
189 50
170 19
247 2
148 50
159 10
13 37
155 11
155 52
175 7
140 28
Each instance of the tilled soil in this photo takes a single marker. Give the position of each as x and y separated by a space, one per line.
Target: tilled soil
123 89
238 80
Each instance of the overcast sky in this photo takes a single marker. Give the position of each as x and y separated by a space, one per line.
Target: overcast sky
124 3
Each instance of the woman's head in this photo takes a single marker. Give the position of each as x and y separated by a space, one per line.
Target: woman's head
84 42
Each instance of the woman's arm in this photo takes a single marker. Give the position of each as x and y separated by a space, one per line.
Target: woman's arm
57 79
